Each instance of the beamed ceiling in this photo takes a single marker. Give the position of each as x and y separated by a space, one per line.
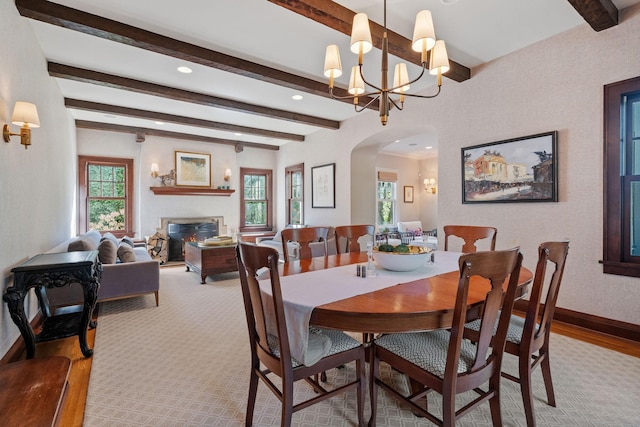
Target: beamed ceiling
116 62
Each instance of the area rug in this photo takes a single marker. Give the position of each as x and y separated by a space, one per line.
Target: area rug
186 363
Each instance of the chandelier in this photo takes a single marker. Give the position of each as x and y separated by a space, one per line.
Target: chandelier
424 41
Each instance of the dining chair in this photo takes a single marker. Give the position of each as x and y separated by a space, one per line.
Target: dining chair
470 234
441 360
270 344
304 237
350 234
530 335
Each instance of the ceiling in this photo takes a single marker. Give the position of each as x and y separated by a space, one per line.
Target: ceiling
249 57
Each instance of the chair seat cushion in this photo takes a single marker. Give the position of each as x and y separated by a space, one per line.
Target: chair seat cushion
322 343
514 333
427 350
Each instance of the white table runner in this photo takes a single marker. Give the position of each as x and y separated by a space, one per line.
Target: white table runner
301 293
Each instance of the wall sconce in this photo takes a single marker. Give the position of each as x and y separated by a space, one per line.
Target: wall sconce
25 114
227 174
430 185
154 170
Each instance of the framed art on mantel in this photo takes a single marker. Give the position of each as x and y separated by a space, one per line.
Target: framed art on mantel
193 169
521 169
323 186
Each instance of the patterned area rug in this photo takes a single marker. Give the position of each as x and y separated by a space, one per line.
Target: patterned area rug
186 363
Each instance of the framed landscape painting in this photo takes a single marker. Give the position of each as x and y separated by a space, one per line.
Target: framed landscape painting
521 169
193 169
323 186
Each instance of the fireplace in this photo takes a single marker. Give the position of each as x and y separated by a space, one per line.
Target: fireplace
183 230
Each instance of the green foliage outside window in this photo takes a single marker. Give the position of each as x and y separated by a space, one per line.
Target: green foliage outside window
106 204
386 202
255 193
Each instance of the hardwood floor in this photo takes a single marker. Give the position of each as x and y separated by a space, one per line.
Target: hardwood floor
72 414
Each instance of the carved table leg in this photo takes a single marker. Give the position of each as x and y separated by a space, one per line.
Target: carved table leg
15 303
90 298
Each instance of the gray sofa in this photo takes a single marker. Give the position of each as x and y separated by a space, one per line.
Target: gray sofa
317 249
139 275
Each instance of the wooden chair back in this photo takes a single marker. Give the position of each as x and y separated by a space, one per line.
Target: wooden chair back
347 237
256 262
496 268
303 236
470 234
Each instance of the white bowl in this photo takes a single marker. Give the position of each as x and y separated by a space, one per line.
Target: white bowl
400 261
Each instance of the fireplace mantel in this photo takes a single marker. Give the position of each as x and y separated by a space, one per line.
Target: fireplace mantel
190 191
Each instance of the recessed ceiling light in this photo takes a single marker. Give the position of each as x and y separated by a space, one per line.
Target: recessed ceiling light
237 134
428 148
296 97
159 123
184 69
397 140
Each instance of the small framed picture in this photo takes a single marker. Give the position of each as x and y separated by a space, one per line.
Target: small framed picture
193 169
408 193
323 186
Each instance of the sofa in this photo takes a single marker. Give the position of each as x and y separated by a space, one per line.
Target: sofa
127 269
412 232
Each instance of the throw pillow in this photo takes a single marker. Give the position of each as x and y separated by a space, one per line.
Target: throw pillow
82 244
127 240
107 251
126 253
108 235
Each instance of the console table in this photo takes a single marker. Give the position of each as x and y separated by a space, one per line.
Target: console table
208 260
48 271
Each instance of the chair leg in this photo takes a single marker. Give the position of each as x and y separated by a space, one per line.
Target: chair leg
525 388
545 366
251 402
494 402
374 371
361 391
287 403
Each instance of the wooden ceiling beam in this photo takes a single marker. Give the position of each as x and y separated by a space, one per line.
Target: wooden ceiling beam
124 83
77 20
141 131
600 14
338 17
189 121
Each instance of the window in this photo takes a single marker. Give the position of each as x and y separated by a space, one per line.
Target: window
255 204
294 178
105 195
386 199
622 178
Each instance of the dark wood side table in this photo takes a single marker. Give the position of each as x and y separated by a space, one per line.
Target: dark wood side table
208 260
54 270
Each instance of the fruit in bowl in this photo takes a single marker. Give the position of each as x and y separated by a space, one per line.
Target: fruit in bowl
401 257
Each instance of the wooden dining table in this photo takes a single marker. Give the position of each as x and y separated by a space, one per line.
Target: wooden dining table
423 304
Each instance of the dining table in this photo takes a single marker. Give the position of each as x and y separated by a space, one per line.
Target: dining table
326 292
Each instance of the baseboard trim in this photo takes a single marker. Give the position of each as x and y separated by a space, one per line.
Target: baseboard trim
612 327
18 348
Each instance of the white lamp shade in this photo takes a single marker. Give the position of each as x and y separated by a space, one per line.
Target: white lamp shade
227 172
332 65
356 84
361 34
429 181
424 35
25 113
401 78
154 167
439 60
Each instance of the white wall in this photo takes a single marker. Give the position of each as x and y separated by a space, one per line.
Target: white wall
553 85
36 185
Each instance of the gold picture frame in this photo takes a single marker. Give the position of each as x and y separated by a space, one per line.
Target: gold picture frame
193 169
408 193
